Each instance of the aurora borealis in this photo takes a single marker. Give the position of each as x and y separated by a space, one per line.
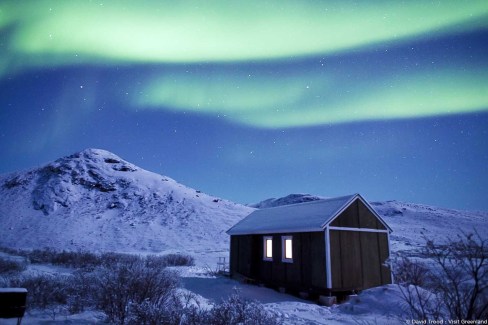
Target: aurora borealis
249 100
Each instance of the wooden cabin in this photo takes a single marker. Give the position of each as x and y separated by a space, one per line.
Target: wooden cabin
335 245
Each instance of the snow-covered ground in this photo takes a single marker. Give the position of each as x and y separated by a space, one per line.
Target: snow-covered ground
374 306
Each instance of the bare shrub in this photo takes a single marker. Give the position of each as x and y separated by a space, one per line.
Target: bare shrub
11 266
421 303
35 256
10 251
410 272
4 281
125 285
82 259
169 260
159 310
48 293
44 290
461 276
40 255
130 289
237 310
84 290
456 285
110 259
76 259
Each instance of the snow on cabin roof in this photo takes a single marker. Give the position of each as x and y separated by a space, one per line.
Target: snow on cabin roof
10 290
309 216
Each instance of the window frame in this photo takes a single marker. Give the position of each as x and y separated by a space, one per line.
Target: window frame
284 259
265 248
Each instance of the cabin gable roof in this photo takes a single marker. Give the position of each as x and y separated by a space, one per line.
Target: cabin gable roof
302 217
366 204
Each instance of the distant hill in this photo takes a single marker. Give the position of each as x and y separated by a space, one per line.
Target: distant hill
286 200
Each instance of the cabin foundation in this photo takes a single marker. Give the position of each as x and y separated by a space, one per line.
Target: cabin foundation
327 301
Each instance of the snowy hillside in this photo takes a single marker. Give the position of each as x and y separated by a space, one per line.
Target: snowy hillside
410 221
95 200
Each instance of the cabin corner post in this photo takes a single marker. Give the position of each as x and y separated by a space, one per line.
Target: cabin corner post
328 270
230 255
390 263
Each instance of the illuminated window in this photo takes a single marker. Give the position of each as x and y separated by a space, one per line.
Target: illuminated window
267 248
287 249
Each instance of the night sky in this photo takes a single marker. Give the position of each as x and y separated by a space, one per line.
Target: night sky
248 100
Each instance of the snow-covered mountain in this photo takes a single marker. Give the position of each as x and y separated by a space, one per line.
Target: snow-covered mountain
286 200
95 200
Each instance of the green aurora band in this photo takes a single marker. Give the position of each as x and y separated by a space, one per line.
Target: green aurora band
40 34
169 31
263 101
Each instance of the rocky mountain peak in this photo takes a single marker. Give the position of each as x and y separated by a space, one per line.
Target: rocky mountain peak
100 192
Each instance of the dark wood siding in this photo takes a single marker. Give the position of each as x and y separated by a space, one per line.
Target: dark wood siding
307 271
242 255
317 260
350 259
348 218
293 270
370 258
357 215
245 251
278 266
367 219
357 258
265 273
308 267
384 254
306 254
234 254
335 258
